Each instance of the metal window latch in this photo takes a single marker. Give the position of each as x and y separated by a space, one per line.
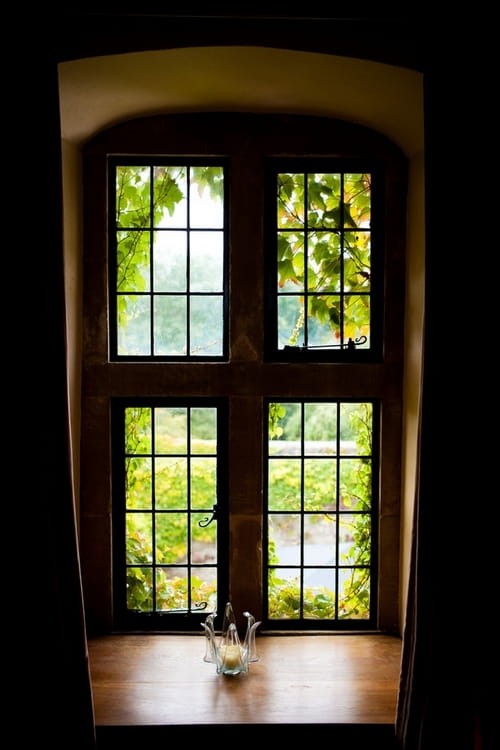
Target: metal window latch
350 346
208 520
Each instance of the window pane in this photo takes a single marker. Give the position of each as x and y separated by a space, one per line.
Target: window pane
171 537
357 200
134 315
319 466
203 430
285 585
320 484
290 321
324 262
203 540
170 325
133 196
170 483
319 539
171 429
207 261
138 430
206 325
169 244
133 261
170 257
171 495
206 193
324 199
323 244
204 589
354 596
284 539
171 589
290 206
284 484
170 201
203 482
138 483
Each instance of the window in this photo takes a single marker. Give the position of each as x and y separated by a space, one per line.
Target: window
241 422
321 513
168 270
326 262
168 483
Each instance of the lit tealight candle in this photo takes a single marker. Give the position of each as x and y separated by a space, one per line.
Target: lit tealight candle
230 656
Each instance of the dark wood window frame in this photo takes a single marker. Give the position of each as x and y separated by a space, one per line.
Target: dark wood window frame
249 376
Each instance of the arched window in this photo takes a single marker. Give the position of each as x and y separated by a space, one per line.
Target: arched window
242 377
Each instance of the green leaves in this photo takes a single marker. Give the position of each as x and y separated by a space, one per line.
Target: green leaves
322 255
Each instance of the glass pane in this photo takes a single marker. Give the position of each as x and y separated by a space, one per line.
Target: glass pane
319 593
139 587
171 538
137 429
206 325
171 429
290 262
206 197
284 539
170 188
357 262
169 266
354 596
324 262
203 482
284 593
133 262
319 539
206 261
203 540
138 485
171 589
290 207
133 196
356 428
357 200
290 321
357 318
171 483
323 191
134 320
355 538
320 484
355 483
170 325
284 484
320 429
323 320
203 430
139 538
285 429
204 589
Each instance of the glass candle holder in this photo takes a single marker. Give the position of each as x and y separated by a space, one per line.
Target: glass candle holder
230 656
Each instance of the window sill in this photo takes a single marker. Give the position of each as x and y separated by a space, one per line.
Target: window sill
154 681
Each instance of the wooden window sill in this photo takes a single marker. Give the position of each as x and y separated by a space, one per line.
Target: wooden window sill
154 681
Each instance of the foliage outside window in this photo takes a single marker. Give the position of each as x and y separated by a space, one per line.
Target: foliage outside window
325 224
320 505
169 268
169 498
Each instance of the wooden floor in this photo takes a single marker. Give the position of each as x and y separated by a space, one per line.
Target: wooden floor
146 685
